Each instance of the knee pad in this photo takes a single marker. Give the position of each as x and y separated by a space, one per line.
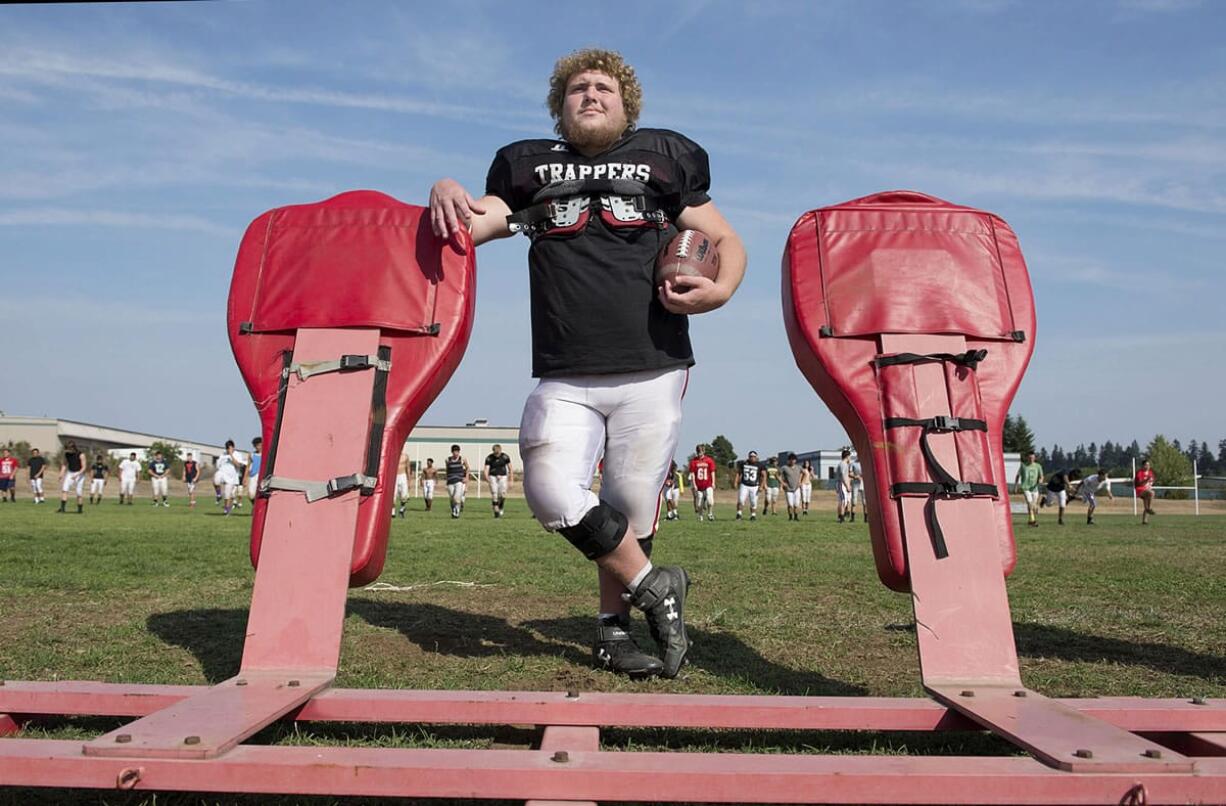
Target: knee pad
599 533
645 544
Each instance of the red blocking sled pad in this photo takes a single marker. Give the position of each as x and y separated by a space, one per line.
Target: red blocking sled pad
360 260
902 264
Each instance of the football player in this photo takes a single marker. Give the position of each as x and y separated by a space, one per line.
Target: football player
612 350
752 477
702 480
498 474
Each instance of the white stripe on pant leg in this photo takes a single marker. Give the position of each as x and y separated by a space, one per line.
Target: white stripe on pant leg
561 438
643 426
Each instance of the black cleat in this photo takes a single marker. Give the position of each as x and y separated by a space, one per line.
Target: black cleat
661 597
616 651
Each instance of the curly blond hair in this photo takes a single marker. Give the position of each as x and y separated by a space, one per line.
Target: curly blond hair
609 62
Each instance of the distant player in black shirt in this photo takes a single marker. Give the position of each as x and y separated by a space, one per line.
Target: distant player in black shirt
1058 491
38 466
191 475
751 478
498 475
72 475
100 469
159 474
612 350
456 467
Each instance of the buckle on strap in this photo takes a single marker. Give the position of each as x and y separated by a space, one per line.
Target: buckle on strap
346 363
944 423
962 488
317 490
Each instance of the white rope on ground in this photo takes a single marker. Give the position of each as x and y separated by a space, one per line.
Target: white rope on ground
384 586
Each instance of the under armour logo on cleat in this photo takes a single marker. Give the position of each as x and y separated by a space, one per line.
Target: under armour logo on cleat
672 610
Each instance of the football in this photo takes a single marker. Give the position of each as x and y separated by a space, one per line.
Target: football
691 253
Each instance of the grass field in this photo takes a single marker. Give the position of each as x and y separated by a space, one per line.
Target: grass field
143 594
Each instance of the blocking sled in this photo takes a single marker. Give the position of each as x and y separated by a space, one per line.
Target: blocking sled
357 261
881 289
890 301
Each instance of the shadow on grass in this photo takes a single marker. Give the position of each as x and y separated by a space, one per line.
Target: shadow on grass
716 653
1044 641
214 636
1040 640
454 632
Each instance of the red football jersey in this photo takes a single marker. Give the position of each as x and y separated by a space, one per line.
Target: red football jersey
703 470
8 467
1143 480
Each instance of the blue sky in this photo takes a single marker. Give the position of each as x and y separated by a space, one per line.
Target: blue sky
138 141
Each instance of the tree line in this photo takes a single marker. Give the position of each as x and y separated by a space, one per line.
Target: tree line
1171 460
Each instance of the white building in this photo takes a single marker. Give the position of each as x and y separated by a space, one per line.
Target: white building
475 440
50 435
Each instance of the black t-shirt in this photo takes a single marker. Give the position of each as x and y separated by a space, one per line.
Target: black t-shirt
593 292
455 470
750 473
1057 482
158 468
74 462
100 469
36 465
190 470
497 463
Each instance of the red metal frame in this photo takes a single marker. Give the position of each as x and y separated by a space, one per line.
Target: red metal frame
190 738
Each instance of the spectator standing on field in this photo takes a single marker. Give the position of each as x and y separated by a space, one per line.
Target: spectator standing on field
100 470
1143 483
129 469
8 476
1029 477
37 466
857 490
842 479
792 473
806 486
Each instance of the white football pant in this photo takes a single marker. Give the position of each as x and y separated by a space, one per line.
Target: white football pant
633 419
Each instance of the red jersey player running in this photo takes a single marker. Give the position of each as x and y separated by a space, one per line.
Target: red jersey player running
702 481
1143 483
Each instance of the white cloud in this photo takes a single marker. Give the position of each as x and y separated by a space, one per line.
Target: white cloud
1161 6
1059 182
93 313
42 66
57 216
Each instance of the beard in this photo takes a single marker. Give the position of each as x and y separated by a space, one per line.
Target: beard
594 138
